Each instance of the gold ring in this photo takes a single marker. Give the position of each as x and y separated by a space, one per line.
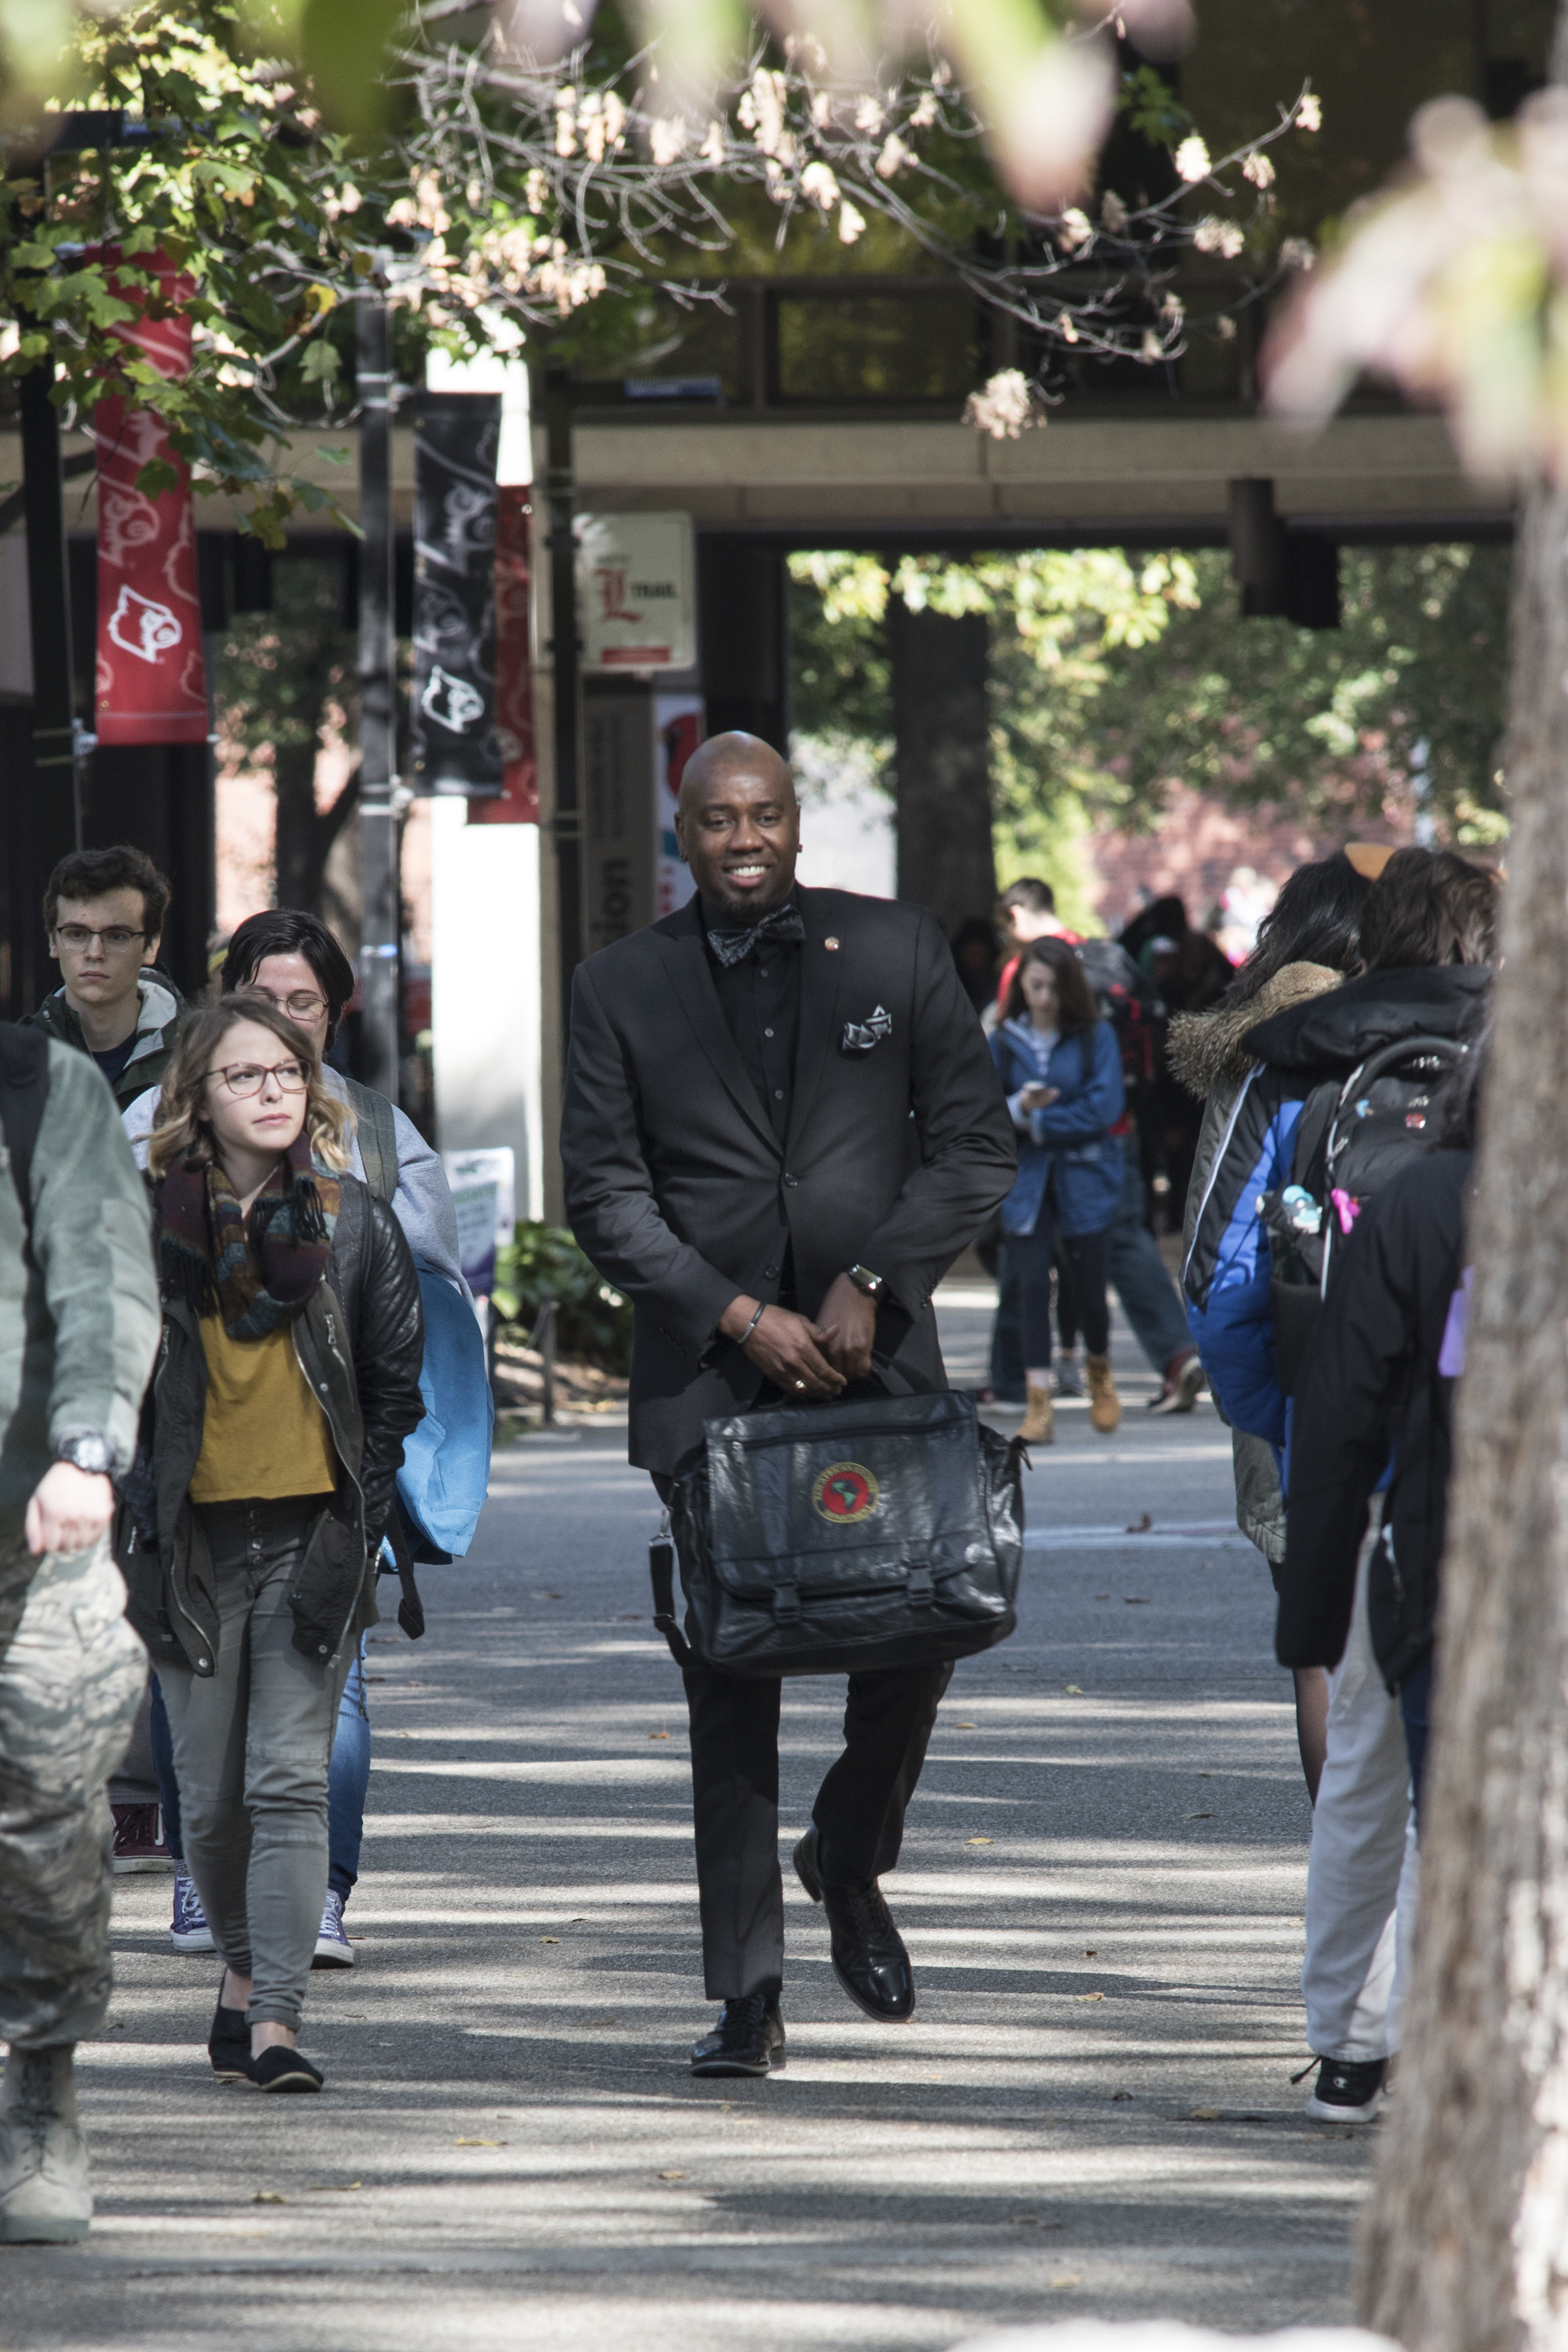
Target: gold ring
799 1384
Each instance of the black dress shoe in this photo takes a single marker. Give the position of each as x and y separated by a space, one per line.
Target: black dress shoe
748 2039
869 1956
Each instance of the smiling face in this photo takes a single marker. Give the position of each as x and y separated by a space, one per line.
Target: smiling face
266 1121
739 824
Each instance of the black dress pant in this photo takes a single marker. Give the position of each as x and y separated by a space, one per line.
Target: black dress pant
860 1809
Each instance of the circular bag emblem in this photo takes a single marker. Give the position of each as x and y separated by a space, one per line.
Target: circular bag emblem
845 1493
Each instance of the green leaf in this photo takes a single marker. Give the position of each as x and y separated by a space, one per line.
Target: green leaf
156 476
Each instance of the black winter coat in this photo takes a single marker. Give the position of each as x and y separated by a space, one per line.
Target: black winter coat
1370 1380
360 1340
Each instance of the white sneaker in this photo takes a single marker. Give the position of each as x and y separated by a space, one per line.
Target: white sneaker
333 1949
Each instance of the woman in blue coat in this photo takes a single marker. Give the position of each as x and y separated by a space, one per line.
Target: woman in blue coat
1061 1069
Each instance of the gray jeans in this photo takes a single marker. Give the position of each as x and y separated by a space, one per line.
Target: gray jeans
252 1743
71 1672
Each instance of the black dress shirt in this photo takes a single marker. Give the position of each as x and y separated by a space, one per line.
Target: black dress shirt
760 999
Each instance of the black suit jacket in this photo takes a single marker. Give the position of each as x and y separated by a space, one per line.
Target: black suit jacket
680 1194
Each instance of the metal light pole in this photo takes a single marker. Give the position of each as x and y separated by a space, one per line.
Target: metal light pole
380 920
565 663
56 750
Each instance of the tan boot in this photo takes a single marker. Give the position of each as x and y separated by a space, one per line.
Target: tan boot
1104 1404
1040 1425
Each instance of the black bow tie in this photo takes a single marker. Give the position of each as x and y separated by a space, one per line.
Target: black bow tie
782 923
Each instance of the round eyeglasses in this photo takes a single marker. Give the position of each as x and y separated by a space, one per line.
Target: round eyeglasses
244 1078
302 1006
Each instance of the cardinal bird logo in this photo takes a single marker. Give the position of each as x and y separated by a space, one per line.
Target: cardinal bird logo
844 1493
139 625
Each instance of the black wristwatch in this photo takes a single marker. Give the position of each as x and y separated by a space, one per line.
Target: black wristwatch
871 1284
88 1449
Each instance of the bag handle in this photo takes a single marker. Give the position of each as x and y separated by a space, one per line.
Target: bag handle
661 1573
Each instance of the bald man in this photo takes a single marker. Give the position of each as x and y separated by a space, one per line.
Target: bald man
781 1125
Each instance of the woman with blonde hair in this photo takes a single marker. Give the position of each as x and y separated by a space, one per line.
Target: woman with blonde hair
287 1379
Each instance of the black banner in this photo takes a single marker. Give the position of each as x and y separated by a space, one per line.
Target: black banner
453 743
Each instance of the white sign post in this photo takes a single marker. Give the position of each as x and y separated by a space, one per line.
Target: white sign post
636 593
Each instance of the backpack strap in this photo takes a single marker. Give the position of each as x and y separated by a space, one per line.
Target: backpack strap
24 1092
377 1138
1308 1158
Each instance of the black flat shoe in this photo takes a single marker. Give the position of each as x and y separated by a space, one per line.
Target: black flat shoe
869 1956
229 2043
748 2039
280 2068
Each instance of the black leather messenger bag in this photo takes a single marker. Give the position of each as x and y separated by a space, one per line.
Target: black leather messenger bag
834 1538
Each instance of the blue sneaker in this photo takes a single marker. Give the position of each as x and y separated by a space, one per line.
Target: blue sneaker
189 1931
333 1949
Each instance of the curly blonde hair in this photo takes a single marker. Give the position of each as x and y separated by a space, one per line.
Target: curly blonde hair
181 1133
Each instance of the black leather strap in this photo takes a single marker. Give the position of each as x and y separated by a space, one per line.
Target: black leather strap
661 1571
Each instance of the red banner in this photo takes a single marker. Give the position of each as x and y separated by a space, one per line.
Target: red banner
518 800
151 685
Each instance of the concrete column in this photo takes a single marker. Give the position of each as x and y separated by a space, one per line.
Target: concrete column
485 1007
942 798
741 636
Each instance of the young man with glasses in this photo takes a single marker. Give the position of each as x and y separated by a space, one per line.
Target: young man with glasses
104 911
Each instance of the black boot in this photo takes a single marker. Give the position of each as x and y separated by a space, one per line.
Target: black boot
748 2039
869 1956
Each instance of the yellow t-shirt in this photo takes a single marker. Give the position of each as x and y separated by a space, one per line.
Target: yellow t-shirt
264 1434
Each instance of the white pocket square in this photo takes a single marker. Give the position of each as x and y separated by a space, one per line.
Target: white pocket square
859 1036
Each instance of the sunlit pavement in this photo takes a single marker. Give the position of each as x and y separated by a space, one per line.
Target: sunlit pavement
1090 2115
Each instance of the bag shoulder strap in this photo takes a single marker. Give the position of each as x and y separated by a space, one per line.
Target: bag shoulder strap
1308 1156
24 1093
377 1138
661 1573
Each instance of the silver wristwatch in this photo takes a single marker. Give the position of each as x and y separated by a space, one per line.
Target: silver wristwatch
871 1284
88 1449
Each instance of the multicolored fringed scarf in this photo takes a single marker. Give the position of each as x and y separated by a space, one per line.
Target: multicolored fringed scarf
255 1280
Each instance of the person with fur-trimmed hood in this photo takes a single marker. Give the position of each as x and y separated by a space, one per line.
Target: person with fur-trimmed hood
1427 933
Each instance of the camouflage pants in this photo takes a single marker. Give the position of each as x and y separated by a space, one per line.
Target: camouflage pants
71 1673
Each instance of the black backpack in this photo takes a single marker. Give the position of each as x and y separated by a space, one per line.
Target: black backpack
1128 1002
1351 1137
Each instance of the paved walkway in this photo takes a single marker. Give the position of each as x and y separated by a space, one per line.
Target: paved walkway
1090 2115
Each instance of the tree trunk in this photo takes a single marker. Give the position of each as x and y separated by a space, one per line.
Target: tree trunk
943 760
1465 2244
305 833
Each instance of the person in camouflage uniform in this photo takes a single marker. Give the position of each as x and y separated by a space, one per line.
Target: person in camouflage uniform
79 1331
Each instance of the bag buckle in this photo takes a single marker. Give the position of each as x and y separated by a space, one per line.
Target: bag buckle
920 1589
786 1603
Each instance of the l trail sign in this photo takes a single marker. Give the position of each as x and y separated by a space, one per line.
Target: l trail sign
637 594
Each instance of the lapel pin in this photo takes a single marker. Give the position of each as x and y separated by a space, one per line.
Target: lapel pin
830 943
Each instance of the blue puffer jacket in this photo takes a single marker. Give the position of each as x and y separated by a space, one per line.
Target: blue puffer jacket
1070 1146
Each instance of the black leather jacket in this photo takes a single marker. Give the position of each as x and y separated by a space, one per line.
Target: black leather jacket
360 1341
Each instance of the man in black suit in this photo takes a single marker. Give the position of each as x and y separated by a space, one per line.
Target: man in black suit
781 1125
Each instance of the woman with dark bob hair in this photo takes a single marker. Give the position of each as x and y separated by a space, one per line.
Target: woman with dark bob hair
287 1379
292 957
1061 1069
